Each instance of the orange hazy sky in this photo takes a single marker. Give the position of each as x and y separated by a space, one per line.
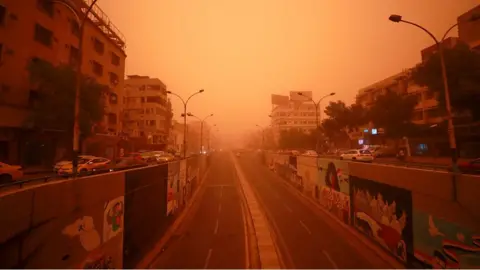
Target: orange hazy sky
241 52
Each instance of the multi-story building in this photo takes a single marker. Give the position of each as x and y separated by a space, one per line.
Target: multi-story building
468 30
146 109
41 29
294 112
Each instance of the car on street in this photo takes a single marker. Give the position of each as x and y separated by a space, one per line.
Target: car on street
85 165
310 153
59 164
121 164
472 167
357 155
9 173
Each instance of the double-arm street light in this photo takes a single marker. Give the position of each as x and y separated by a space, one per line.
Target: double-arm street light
318 116
439 44
201 127
185 103
81 20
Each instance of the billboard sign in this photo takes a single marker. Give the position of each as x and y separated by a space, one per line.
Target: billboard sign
280 100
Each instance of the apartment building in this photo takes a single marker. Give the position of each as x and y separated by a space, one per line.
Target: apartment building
468 31
41 29
293 112
146 109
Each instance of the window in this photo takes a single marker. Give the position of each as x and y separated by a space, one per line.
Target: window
43 35
46 6
98 46
74 27
151 123
113 98
112 118
97 68
74 55
113 78
115 59
3 13
33 98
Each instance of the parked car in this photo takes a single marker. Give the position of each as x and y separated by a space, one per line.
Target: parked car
59 164
85 165
472 167
121 164
357 155
383 152
310 153
9 173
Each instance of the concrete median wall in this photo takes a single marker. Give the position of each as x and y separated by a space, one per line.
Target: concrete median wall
101 221
423 218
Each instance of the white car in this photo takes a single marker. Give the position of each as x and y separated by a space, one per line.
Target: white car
310 153
9 173
60 164
357 155
85 165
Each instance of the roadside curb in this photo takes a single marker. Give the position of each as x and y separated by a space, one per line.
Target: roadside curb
152 256
270 257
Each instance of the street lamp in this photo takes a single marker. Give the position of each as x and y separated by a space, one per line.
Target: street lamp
201 127
210 136
263 136
185 102
439 43
318 117
81 23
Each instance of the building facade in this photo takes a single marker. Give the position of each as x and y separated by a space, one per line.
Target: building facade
469 31
40 29
296 112
146 109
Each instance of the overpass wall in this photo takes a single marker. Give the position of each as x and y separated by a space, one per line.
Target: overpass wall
101 221
423 218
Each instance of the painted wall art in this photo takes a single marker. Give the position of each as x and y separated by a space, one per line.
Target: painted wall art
441 244
383 213
113 218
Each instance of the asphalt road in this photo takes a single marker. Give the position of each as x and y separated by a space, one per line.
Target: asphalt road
212 236
306 239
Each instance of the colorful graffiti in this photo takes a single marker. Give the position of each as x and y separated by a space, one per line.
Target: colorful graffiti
97 260
173 187
383 213
113 218
440 244
84 228
332 187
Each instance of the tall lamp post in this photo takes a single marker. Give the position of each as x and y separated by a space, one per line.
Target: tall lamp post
185 103
81 20
263 136
439 44
201 127
210 137
318 116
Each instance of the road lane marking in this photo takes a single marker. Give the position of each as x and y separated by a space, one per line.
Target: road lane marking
216 227
219 208
207 260
288 208
221 192
305 227
330 259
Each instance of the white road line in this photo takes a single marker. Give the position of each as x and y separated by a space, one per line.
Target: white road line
288 208
216 228
221 192
207 260
305 227
219 208
330 259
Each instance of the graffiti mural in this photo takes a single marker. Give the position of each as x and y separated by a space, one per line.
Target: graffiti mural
113 218
383 213
97 260
173 187
332 188
440 244
183 180
84 229
307 171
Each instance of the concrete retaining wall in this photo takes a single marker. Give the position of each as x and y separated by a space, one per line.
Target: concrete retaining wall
424 218
100 221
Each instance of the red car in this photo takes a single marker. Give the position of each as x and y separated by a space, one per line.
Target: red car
472 167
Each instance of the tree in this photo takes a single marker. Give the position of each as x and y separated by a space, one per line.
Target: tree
54 108
343 118
393 112
463 73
